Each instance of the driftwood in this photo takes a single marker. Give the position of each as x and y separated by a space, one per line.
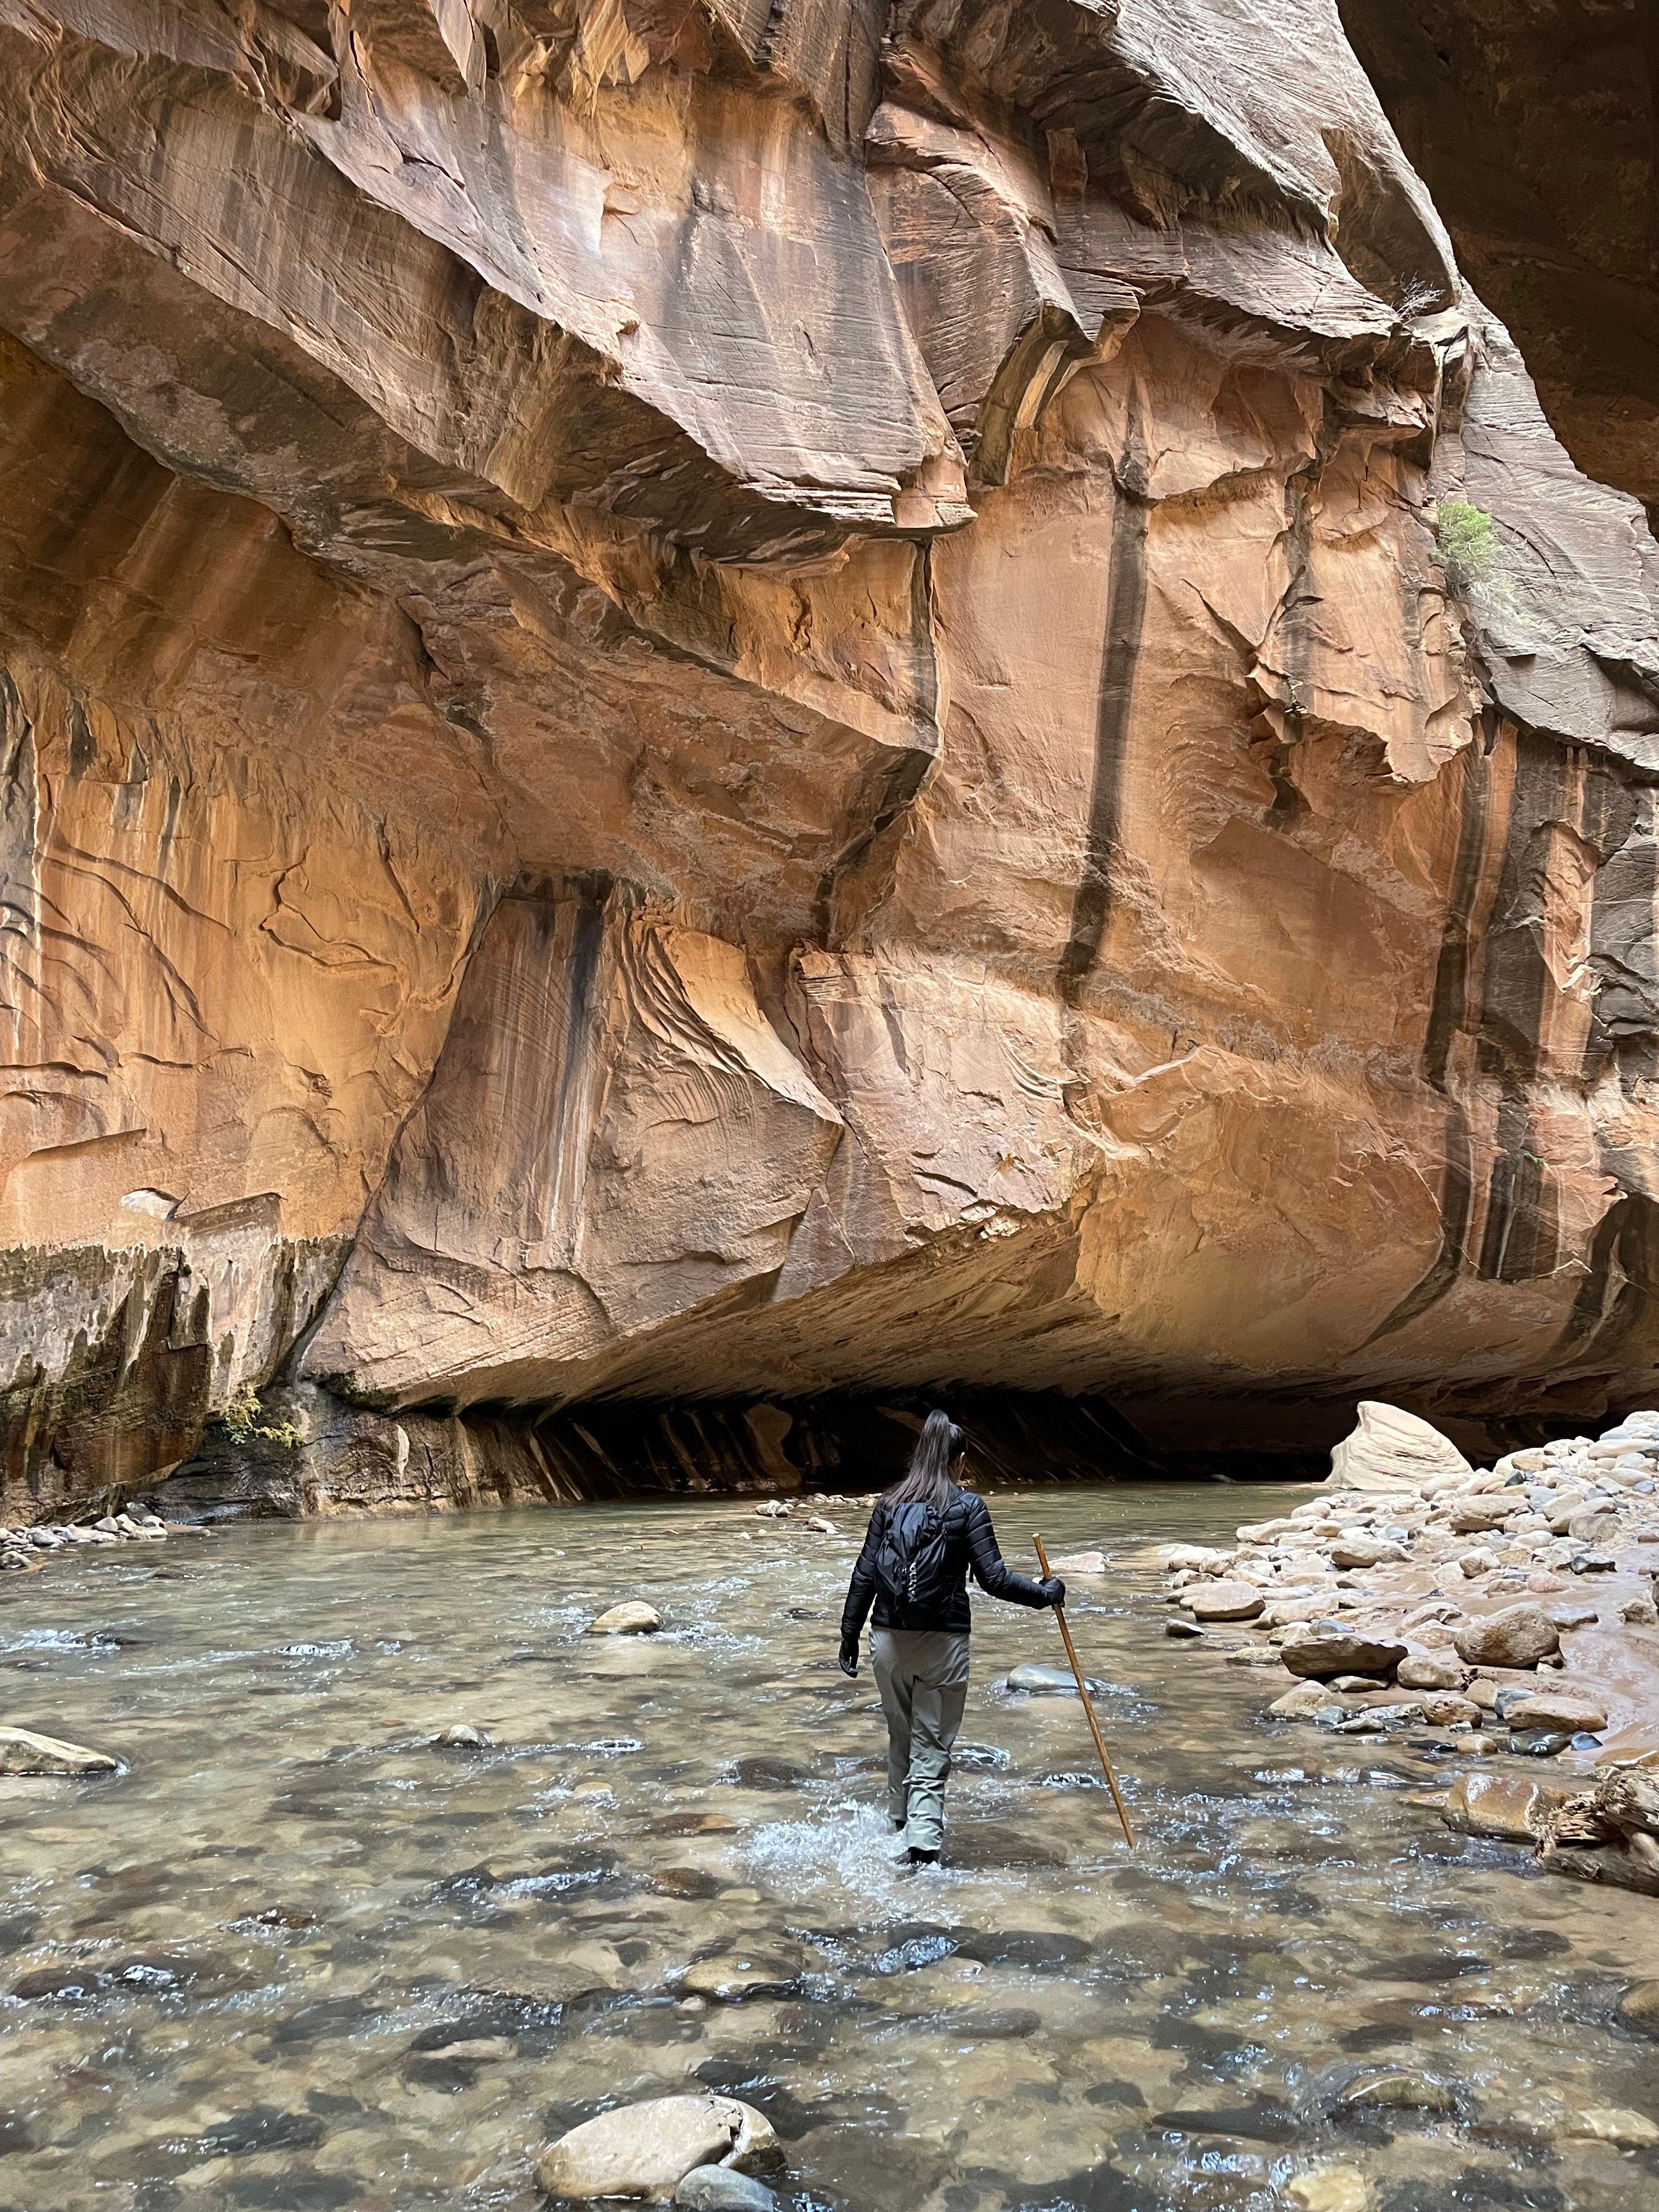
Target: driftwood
1609 1832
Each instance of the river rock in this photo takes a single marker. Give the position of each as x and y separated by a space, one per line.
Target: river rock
722 2189
1043 1682
23 1752
1305 1702
1177 1627
1328 1649
647 2150
1389 1448
1448 1709
1192 1557
1517 1635
632 1618
1329 2189
1503 1807
1639 2007
1430 1670
1223 1601
736 1976
1079 1563
1615 2124
1471 1516
1355 1549
1554 1708
1397 2089
459 1735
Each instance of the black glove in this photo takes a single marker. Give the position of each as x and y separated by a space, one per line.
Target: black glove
1054 1590
849 1657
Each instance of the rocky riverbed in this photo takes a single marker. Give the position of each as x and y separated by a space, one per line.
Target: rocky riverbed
298 1953
1500 1613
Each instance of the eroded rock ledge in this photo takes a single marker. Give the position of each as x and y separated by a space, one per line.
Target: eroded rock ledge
725 702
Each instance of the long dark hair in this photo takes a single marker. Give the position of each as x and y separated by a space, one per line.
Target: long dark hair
928 1481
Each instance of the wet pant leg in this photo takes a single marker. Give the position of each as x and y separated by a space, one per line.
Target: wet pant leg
922 1677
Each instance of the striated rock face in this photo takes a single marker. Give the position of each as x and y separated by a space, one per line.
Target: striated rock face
724 701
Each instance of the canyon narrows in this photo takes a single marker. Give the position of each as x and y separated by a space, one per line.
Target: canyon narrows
722 701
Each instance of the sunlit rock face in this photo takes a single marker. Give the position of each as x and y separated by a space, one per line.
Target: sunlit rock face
734 700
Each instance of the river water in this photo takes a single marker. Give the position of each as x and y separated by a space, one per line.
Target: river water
297 1958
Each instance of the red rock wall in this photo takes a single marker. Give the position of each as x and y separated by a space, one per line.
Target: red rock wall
725 702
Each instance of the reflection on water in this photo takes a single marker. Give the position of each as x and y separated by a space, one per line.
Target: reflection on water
298 1958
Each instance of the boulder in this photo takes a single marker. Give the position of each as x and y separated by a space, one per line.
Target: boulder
631 1618
645 2151
1389 1448
23 1752
1328 1649
1223 1601
1516 1636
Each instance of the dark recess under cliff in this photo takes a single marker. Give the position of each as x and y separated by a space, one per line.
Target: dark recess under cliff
1536 129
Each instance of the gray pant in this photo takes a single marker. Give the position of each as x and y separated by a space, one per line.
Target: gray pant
922 1676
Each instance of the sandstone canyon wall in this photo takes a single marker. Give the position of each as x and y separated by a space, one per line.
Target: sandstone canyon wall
717 701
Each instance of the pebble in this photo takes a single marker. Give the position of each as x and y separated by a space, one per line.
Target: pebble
631 1618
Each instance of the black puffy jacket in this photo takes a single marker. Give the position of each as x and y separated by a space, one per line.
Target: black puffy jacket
970 1543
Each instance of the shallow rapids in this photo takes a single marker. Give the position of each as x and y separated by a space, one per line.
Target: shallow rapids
296 1958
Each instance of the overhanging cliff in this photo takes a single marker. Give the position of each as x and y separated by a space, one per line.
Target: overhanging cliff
722 702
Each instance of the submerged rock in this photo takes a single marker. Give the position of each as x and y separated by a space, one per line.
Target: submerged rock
459 1735
1503 1807
1329 2189
723 2188
23 1752
645 2151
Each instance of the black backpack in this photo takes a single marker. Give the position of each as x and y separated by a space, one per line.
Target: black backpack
910 1563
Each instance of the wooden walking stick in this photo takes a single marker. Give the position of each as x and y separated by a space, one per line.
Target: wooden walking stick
1088 1704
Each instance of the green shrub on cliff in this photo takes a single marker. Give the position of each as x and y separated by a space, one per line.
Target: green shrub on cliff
244 1423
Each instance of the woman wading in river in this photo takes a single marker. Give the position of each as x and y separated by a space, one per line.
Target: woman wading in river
925 1536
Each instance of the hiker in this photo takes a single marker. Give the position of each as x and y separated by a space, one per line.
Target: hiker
925 1535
